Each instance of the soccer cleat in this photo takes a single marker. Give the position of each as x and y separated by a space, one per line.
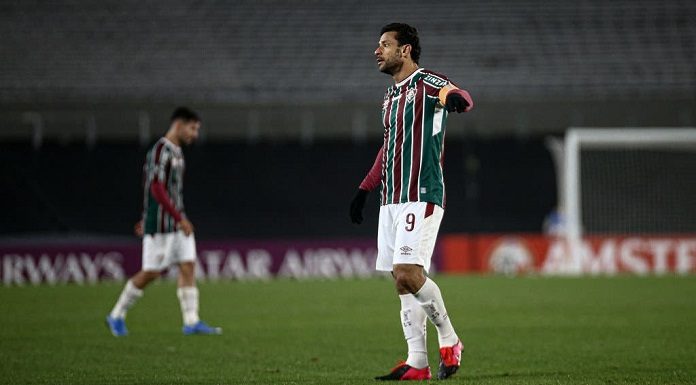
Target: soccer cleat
117 326
200 328
405 372
450 359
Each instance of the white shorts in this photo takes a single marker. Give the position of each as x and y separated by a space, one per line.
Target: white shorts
407 234
163 250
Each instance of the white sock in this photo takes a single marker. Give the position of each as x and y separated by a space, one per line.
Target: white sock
188 299
128 297
430 299
413 323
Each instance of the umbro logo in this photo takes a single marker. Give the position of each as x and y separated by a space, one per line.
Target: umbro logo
405 250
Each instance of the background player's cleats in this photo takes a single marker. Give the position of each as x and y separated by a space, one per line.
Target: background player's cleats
117 326
404 372
450 359
200 328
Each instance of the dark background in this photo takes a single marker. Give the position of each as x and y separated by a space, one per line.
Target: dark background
290 95
266 190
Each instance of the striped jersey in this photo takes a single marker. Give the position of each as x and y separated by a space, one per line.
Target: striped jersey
414 134
164 163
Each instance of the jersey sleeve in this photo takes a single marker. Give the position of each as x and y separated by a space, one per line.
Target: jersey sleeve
435 83
159 192
373 177
440 86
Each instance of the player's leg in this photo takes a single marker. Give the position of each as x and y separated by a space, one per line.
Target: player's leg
132 292
184 250
154 248
419 223
412 316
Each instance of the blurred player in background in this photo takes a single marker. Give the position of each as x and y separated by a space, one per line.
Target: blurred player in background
409 169
167 234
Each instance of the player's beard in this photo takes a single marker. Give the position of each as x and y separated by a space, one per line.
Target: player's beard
392 65
391 68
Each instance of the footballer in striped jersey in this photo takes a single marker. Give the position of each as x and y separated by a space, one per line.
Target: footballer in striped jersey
408 172
167 234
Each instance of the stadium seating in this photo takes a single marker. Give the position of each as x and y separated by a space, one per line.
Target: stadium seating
310 51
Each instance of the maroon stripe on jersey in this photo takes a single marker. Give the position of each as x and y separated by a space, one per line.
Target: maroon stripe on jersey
430 90
429 209
416 140
387 130
398 147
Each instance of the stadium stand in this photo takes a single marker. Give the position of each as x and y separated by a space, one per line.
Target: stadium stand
275 51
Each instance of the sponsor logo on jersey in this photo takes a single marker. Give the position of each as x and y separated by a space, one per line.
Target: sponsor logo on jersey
435 81
405 250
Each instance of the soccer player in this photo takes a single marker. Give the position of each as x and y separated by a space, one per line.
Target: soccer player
167 234
409 169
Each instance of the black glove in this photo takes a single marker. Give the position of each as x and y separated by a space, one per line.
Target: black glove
456 102
356 206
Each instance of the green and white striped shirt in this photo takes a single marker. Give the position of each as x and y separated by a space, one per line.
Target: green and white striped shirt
164 164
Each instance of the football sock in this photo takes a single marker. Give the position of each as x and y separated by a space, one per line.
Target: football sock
413 323
430 299
128 297
188 299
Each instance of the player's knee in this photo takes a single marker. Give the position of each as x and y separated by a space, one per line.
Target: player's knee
187 272
143 278
406 282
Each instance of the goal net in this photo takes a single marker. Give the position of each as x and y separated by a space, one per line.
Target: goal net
629 181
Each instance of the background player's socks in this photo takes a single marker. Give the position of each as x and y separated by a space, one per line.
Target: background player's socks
188 299
413 323
430 299
128 297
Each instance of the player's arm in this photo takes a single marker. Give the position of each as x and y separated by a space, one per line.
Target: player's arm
455 99
159 192
369 183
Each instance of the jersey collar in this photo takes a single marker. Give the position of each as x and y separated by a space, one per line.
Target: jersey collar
408 79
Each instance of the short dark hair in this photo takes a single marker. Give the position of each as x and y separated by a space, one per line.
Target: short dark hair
186 114
405 34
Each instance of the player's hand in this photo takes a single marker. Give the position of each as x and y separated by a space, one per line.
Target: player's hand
356 206
138 229
186 226
456 102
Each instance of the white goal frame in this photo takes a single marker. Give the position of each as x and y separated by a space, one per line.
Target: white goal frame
578 138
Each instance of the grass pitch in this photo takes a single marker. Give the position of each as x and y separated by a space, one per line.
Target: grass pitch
622 330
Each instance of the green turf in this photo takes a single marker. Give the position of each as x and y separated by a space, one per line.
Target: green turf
516 331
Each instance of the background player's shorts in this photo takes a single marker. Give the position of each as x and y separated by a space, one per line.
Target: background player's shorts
407 234
162 250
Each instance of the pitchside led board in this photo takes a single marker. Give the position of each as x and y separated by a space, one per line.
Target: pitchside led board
509 254
538 254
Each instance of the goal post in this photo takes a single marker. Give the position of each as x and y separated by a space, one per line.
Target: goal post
621 180
577 140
